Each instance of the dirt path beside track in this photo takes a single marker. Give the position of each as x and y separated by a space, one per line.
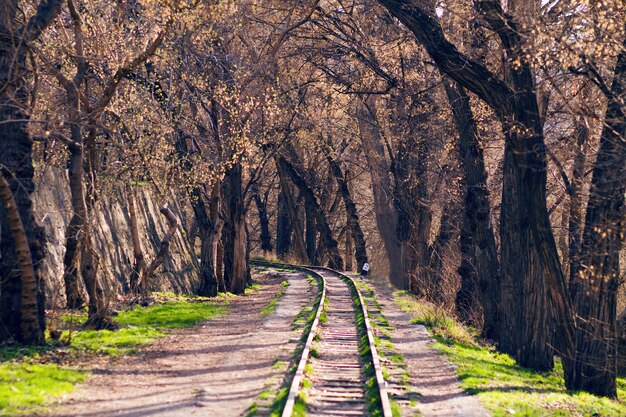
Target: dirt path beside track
214 369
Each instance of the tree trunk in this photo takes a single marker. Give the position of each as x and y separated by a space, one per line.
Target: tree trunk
74 230
261 206
575 224
98 316
469 292
311 235
139 261
30 330
235 246
354 226
292 210
218 247
326 235
209 228
348 254
283 225
479 264
449 227
17 163
163 250
386 217
596 279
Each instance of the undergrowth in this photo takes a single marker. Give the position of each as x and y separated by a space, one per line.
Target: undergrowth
502 386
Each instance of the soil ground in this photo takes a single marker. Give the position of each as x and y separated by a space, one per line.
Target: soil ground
218 368
431 374
214 369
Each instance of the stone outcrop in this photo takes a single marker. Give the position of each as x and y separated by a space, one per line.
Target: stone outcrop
112 239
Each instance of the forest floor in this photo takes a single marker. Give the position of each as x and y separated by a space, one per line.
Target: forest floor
457 374
217 368
234 362
429 374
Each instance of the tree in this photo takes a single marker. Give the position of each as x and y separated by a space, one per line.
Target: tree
17 169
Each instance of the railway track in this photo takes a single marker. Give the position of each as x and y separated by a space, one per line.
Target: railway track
339 355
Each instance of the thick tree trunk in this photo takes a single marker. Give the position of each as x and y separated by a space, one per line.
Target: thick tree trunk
479 264
354 226
596 278
17 165
235 244
30 329
386 217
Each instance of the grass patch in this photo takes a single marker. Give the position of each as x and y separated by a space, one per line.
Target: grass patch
270 308
29 386
299 407
27 383
142 325
440 323
502 386
258 262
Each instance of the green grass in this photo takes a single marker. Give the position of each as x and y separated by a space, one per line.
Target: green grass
270 308
299 407
438 322
502 386
142 325
27 383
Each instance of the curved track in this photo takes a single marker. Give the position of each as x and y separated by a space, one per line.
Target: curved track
336 372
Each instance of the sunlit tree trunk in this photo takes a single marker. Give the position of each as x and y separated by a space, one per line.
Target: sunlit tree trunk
30 329
235 243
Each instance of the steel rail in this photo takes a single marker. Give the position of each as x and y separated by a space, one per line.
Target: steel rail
304 358
380 380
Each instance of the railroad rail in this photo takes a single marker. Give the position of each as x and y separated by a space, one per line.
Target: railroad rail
336 377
